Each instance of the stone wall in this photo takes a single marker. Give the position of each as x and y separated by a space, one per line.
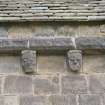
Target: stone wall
29 30
53 84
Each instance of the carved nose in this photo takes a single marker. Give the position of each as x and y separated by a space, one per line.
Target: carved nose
75 62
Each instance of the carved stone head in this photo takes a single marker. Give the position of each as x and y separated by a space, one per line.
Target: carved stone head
74 60
28 60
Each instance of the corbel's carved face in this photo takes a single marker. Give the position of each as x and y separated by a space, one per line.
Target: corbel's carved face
74 61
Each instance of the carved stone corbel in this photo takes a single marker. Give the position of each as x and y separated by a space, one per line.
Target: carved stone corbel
28 59
74 60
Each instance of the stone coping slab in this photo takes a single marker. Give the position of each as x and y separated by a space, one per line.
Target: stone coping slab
55 44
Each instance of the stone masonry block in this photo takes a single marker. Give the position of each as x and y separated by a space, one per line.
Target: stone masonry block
67 30
10 64
51 64
8 44
42 30
33 100
3 32
97 83
103 99
89 99
8 100
89 30
62 100
102 28
90 43
46 84
74 84
94 63
74 60
54 43
28 59
1 84
19 31
17 85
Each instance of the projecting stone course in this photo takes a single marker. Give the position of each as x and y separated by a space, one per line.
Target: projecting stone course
90 43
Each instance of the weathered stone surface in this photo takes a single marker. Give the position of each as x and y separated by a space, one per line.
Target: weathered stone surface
74 84
97 83
10 64
8 44
94 64
74 60
51 64
43 31
28 59
62 100
52 11
67 30
103 99
46 84
1 84
89 99
3 32
51 43
41 43
19 31
90 43
8 100
89 30
33 100
18 85
102 28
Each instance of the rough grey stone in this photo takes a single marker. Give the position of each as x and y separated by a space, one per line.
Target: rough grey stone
90 43
51 43
3 32
62 100
63 42
46 85
0 84
74 60
103 99
74 84
102 28
89 100
13 44
94 63
10 64
33 100
39 43
28 59
51 64
97 83
17 85
8 100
